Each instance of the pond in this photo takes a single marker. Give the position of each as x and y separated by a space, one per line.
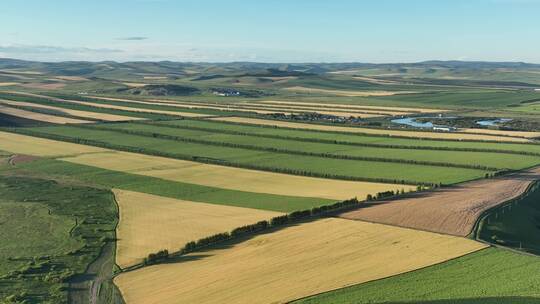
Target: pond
412 121
492 122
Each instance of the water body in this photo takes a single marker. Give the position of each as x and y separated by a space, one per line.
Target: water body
492 122
412 121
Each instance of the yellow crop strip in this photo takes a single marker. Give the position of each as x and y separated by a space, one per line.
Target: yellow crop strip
149 223
292 263
412 134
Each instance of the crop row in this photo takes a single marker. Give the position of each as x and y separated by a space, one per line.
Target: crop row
274 162
288 151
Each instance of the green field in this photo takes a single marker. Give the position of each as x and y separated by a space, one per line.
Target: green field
219 127
516 224
303 165
114 179
50 233
493 160
490 276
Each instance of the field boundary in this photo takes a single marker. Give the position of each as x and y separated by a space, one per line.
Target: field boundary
392 276
317 140
207 160
287 151
371 134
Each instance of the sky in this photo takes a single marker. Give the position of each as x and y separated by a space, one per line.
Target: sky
271 30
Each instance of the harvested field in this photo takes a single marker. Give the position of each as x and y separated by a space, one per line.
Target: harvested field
22 144
150 223
86 114
134 84
44 86
292 263
155 77
244 179
353 106
15 71
21 159
375 80
7 84
72 78
413 134
346 93
159 102
452 210
40 117
523 134
108 106
323 110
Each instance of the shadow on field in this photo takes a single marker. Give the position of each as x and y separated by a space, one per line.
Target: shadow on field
490 300
210 251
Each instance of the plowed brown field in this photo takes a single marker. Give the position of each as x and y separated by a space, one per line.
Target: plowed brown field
449 210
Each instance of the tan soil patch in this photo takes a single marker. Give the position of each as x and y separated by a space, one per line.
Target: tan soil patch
155 77
7 84
14 71
71 78
291 263
346 93
40 117
320 109
524 134
21 159
452 210
374 80
107 106
244 179
135 84
413 134
186 105
44 86
359 107
86 114
22 144
149 223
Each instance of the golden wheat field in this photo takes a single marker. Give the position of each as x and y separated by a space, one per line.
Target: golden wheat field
149 223
524 134
292 263
22 144
413 134
351 106
8 84
345 93
85 114
108 106
185 105
240 107
40 117
244 179
342 111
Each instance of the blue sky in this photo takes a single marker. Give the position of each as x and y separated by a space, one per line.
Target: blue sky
271 30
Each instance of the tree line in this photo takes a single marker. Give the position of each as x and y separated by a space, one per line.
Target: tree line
214 161
338 142
254 229
287 151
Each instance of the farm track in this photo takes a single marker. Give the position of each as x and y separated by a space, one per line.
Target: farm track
450 210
